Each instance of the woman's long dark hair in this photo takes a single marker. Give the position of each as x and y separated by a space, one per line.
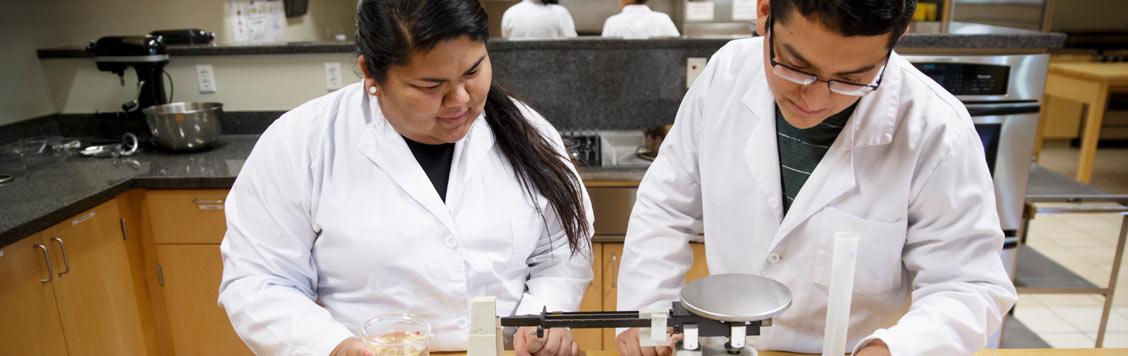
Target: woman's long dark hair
389 32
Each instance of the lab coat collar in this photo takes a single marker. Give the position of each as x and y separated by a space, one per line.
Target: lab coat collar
873 123
764 167
630 9
386 148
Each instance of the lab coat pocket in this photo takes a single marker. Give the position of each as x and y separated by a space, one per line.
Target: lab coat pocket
879 267
528 237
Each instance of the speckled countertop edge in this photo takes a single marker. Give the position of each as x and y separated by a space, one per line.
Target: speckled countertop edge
41 198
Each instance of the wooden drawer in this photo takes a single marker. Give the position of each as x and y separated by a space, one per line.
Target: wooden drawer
187 216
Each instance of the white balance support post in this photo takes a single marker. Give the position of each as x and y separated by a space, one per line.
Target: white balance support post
485 328
841 293
655 335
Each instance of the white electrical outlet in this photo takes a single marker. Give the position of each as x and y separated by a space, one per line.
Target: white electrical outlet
693 68
205 76
333 79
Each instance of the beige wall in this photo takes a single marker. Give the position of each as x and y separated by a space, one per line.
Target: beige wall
254 82
77 21
23 92
34 88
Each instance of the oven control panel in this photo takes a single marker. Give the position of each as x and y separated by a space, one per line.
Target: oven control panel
968 78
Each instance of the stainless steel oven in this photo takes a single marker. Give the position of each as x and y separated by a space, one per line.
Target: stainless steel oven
1002 93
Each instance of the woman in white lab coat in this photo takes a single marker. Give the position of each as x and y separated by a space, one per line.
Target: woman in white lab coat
638 21
903 168
530 19
413 191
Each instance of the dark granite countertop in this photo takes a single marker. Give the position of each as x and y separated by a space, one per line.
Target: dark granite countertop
959 35
41 197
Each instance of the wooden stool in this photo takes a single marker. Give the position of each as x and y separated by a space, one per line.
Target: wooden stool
1088 83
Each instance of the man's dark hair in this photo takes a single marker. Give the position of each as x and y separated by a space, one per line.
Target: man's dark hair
852 17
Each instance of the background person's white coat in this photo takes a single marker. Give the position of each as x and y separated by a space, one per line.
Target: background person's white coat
534 19
332 221
908 174
638 21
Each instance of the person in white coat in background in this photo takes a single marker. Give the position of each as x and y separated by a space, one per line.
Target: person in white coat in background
638 21
818 127
530 19
413 191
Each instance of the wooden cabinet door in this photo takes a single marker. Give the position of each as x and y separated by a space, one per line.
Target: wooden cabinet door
30 322
592 339
191 288
613 254
94 287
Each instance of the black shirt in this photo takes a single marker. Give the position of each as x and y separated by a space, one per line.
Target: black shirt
801 150
435 161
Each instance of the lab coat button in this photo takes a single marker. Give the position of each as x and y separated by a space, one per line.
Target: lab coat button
773 258
462 323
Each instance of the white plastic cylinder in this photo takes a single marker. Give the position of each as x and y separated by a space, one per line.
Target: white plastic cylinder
841 293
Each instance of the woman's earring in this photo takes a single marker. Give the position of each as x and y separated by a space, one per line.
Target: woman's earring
372 90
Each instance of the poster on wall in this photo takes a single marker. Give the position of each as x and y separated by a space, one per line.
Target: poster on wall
256 21
697 10
744 10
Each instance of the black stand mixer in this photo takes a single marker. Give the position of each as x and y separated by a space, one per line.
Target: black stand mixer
148 56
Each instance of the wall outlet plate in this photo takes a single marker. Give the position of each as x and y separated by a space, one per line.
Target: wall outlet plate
205 77
693 68
333 77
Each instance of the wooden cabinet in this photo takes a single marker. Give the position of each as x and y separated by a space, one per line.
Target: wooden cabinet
191 284
84 303
94 284
187 227
612 256
187 216
27 301
592 339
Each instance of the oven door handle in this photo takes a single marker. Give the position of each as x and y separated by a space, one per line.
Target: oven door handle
996 109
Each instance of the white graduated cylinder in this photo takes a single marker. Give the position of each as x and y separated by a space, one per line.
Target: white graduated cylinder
841 293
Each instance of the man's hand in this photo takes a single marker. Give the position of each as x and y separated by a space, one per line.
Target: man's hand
628 345
556 342
352 347
874 348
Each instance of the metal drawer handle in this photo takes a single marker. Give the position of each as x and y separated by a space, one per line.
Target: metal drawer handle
614 271
208 204
46 258
66 258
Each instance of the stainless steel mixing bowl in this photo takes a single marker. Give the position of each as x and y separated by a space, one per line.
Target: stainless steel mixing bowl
184 126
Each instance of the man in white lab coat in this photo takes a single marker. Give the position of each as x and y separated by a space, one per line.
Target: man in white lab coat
814 128
638 21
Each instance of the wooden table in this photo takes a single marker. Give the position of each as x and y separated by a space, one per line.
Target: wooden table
1088 83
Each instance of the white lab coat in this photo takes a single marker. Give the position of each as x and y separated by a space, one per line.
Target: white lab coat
638 21
332 222
533 19
908 174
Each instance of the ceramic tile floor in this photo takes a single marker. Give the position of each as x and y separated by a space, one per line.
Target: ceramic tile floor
1084 243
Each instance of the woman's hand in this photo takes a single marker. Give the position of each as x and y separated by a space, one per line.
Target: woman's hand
556 342
352 347
874 348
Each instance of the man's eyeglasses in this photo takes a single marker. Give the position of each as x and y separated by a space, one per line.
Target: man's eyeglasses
803 78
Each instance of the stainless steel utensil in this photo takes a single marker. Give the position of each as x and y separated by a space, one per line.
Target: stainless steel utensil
184 126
